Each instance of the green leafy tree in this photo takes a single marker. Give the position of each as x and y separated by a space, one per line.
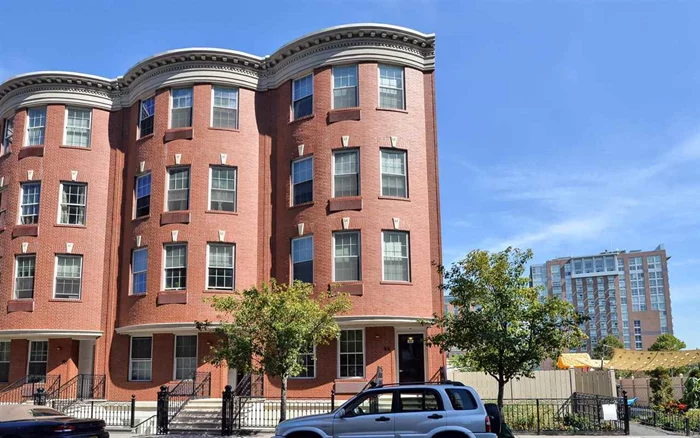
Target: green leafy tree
604 349
501 325
660 379
265 329
691 390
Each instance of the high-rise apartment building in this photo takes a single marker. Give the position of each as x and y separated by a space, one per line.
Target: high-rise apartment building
624 293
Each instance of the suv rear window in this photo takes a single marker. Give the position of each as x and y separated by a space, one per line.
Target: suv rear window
461 399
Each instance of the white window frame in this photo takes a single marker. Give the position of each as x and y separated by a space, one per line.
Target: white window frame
359 254
196 352
191 107
167 186
131 359
134 272
235 187
150 193
294 96
291 255
357 86
292 183
29 354
333 174
379 86
14 286
21 204
313 356
9 358
408 247
364 354
233 267
213 105
141 118
405 176
89 128
43 127
7 134
55 276
187 262
60 203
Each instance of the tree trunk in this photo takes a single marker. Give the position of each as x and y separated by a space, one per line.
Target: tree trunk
283 402
501 387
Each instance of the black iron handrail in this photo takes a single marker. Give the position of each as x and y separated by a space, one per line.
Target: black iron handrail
80 387
171 401
24 389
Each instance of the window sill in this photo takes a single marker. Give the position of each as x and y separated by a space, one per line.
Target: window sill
141 218
302 378
175 217
393 110
345 203
301 119
31 151
133 295
70 226
395 198
396 283
219 291
178 134
230 213
70 146
349 287
344 114
178 296
145 137
64 300
212 128
302 205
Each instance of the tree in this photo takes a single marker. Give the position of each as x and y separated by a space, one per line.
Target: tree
604 349
660 378
265 329
691 391
500 325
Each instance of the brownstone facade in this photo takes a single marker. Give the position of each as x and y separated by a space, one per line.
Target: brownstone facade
90 328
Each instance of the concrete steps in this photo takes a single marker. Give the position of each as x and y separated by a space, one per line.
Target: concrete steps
199 417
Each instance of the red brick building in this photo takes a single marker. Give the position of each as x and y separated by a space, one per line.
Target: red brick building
125 202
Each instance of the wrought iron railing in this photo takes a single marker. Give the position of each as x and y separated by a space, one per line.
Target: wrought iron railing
172 400
80 387
23 390
669 420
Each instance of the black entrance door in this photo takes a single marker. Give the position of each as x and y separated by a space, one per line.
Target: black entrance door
411 355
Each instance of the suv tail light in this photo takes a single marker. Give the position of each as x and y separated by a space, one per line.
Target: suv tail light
487 424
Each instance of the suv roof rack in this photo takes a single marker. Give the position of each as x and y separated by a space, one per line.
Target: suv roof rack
446 382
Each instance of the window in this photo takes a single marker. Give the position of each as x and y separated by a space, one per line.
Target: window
303 96
346 256
178 188
78 126
5 361
223 188
146 116
176 267
346 173
638 334
143 195
635 264
371 404
307 360
69 275
225 108
396 256
302 181
181 115
139 271
24 276
637 291
394 173
185 357
345 86
654 263
220 267
73 202
391 87
36 125
417 400
29 208
38 357
656 290
303 259
8 134
140 359
352 357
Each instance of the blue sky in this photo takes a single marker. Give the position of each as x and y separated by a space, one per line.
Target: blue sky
565 127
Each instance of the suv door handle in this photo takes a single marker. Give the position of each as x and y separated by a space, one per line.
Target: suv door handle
382 419
435 416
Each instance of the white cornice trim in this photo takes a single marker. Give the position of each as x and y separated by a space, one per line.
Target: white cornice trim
49 333
334 45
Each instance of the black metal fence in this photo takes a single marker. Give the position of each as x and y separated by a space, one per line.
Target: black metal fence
24 389
114 413
172 400
673 421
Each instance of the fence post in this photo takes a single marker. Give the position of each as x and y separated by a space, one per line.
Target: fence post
40 397
333 398
162 411
226 411
539 428
686 420
654 417
92 409
597 411
133 410
627 412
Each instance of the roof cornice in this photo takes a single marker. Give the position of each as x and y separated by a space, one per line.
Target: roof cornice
330 46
